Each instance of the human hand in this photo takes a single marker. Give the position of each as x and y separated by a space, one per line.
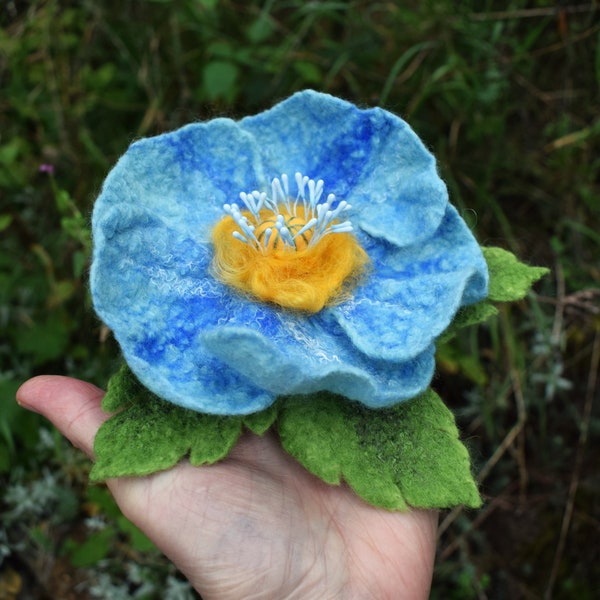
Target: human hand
257 524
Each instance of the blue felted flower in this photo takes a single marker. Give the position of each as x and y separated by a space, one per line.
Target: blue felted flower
201 343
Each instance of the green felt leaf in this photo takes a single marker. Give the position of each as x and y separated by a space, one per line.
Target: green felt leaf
475 313
150 434
123 389
510 279
469 315
261 421
407 455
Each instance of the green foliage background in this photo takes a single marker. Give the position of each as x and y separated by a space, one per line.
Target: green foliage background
506 94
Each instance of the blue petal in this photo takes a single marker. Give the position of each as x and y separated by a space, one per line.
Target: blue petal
402 318
319 135
304 366
413 293
199 389
184 177
371 158
151 286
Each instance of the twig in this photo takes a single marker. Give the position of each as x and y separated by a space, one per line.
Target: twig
583 435
481 517
500 450
514 432
506 443
521 442
448 520
560 45
529 13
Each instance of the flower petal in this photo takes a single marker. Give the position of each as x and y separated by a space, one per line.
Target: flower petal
404 317
414 292
319 135
310 361
184 177
151 286
228 394
371 158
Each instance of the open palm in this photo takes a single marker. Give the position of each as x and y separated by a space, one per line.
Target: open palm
257 524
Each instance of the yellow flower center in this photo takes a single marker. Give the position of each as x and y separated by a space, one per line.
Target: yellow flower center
280 250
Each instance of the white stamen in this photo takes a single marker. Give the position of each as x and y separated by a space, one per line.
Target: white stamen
308 226
267 237
320 216
286 188
238 236
345 227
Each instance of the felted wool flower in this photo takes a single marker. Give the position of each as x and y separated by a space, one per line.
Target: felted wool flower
310 247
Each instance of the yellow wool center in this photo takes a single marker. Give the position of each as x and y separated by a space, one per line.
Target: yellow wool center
284 267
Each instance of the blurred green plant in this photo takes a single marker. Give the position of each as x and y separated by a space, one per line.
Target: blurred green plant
506 95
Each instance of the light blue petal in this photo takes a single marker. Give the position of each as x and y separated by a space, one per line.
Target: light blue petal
371 158
200 389
152 287
306 364
184 177
413 293
319 135
402 318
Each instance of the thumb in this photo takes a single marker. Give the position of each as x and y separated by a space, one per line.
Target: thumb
73 406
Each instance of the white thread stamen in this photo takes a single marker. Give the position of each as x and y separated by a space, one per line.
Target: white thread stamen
320 216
